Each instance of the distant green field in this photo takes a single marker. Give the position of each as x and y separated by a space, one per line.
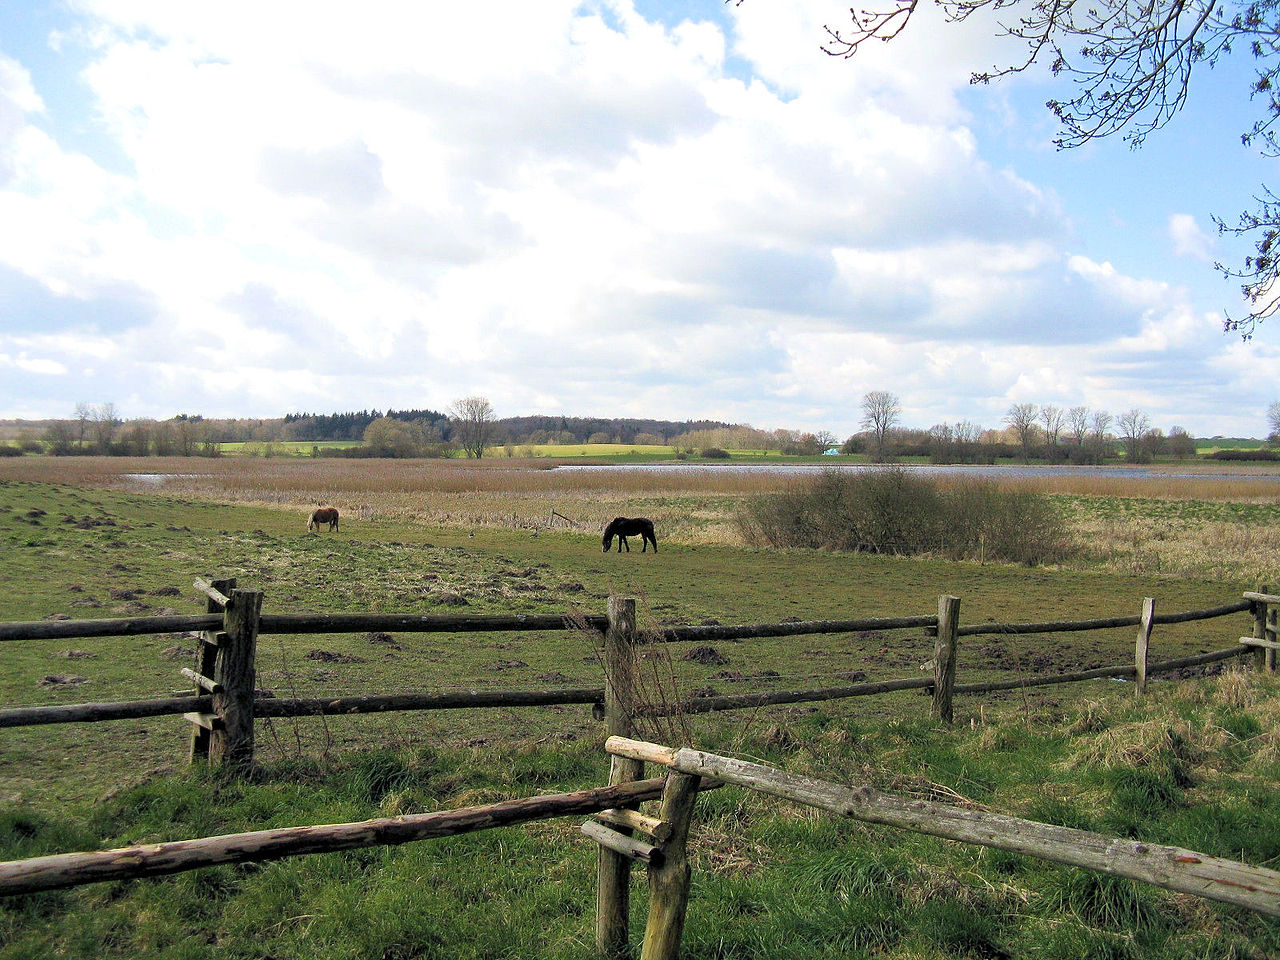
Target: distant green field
1207 446
283 448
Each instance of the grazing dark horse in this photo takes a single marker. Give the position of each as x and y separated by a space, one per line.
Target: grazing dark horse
321 515
623 527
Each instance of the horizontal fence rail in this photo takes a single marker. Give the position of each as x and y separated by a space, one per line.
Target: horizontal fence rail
1104 623
156 859
297 623
129 627
1186 871
744 701
1101 673
306 623
91 712
794 628
332 706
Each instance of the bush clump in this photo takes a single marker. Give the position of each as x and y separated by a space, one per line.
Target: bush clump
893 511
1245 455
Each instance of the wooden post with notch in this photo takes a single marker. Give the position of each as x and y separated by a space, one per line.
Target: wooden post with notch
1260 608
232 746
613 877
1143 642
206 666
669 878
944 657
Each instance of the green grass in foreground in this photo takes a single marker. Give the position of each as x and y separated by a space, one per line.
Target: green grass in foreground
1190 766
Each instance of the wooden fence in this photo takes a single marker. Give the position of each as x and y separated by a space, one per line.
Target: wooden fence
225 700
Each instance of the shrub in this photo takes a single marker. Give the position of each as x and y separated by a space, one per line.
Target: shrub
715 453
1245 455
894 511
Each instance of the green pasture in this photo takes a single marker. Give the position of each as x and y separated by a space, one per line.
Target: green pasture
1194 764
1205 446
282 448
81 553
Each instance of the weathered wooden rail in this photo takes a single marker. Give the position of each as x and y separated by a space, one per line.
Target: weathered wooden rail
156 859
225 700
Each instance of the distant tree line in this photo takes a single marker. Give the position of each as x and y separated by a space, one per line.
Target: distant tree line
351 426
1075 435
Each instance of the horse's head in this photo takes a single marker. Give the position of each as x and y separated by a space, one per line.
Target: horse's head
608 540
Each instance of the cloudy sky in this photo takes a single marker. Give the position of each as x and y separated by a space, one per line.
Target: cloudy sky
612 208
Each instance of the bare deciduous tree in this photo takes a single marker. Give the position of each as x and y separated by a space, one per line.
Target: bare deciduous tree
84 415
472 419
1133 425
1078 418
1022 418
1051 417
881 412
105 423
1181 444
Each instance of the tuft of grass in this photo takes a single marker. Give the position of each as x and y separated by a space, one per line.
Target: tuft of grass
1101 900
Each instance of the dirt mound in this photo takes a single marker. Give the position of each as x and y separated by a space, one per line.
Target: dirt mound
709 656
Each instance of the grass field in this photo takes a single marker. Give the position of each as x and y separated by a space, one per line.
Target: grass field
283 448
1194 764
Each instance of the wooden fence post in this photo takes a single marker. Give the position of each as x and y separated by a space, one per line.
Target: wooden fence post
613 877
207 665
1260 627
1270 659
1143 642
669 880
232 746
944 657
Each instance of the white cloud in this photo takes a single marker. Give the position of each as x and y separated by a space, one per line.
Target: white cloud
41 365
1189 240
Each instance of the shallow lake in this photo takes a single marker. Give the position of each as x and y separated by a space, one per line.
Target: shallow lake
1009 471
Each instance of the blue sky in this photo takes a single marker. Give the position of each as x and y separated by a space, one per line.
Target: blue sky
615 208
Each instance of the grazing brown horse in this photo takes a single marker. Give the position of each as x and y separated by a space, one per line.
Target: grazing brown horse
321 515
623 527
